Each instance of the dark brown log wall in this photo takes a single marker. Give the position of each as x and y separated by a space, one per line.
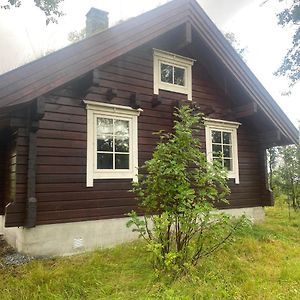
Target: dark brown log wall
8 167
61 189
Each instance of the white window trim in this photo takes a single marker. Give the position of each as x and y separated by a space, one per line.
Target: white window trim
185 63
96 109
227 126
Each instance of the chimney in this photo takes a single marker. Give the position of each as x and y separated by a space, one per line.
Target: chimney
96 21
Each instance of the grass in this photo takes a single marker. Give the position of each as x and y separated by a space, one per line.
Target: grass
264 263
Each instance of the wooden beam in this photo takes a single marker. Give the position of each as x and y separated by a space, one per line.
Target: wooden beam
186 36
135 100
156 100
207 111
188 33
111 94
39 108
34 115
245 110
31 205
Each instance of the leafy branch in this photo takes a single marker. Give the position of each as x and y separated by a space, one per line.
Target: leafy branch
49 7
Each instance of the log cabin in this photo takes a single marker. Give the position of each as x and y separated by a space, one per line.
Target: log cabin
76 124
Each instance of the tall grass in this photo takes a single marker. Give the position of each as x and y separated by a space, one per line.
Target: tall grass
264 263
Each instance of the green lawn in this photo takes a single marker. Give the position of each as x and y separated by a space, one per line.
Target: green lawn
263 264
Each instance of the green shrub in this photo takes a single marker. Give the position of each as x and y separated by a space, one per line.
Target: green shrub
177 197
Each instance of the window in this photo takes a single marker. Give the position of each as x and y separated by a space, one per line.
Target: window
221 145
172 73
111 141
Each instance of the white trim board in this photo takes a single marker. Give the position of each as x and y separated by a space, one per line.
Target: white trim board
224 126
106 110
174 60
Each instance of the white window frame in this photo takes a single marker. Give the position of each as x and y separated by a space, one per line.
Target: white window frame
105 110
164 57
224 126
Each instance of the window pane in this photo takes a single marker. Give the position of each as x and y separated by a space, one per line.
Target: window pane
121 144
217 150
104 161
217 160
105 143
104 126
179 76
227 151
166 73
216 136
226 138
122 161
121 127
228 164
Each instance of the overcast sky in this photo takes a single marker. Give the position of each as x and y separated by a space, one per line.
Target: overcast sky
24 36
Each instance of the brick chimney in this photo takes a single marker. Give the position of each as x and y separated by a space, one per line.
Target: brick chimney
96 21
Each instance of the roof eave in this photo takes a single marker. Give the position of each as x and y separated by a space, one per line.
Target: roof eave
237 67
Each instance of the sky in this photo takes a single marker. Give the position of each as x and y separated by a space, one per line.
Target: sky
24 35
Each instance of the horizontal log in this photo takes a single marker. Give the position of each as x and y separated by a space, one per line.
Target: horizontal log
99 185
85 194
86 204
85 213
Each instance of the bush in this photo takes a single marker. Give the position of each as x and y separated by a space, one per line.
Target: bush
177 198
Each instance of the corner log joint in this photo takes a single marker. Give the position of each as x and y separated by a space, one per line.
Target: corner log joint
111 94
135 100
156 100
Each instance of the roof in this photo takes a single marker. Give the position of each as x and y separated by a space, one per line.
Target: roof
39 77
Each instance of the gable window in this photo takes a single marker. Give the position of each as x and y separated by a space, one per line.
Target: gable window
172 72
111 141
221 145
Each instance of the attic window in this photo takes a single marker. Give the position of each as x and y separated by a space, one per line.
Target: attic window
221 145
172 73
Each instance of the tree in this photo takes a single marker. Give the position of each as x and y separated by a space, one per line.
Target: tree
290 66
230 36
177 196
284 173
49 7
76 36
290 174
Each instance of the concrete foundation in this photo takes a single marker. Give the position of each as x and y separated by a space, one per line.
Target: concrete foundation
1 224
72 238
255 214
